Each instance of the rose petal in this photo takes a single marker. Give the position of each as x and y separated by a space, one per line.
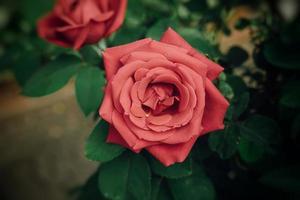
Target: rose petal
125 99
120 78
107 106
146 135
113 55
171 37
172 53
141 55
46 29
215 108
169 154
119 6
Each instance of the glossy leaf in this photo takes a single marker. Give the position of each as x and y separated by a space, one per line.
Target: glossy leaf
249 151
197 186
127 175
89 88
260 129
224 142
96 147
52 77
174 171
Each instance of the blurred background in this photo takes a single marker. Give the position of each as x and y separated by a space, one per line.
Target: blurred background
42 139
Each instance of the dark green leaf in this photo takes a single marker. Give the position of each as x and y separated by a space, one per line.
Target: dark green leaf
224 142
113 177
155 187
195 187
237 84
287 178
96 147
291 95
91 54
127 175
89 88
32 13
25 66
126 35
198 41
164 192
139 178
174 171
241 104
225 89
51 77
157 30
90 190
281 56
260 130
249 151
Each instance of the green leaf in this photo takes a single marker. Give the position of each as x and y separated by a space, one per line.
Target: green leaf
155 187
260 130
249 151
90 190
224 142
89 88
176 170
241 104
96 147
164 192
25 66
291 95
226 89
281 56
32 13
126 175
51 77
113 177
126 35
196 39
237 84
238 106
236 56
287 178
156 31
194 187
139 179
91 54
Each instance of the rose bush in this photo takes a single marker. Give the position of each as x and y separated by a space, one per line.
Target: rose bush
160 96
73 23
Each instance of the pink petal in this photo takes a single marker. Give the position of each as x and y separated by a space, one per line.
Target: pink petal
119 8
107 106
215 108
169 154
177 55
171 37
113 55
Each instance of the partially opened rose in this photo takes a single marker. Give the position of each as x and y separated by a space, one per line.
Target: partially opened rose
73 23
160 97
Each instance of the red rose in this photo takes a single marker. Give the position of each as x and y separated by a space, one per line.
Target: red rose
160 97
73 23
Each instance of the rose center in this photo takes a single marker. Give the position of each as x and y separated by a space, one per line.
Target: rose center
159 98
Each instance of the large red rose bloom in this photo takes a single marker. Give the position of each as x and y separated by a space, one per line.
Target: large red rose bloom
160 97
